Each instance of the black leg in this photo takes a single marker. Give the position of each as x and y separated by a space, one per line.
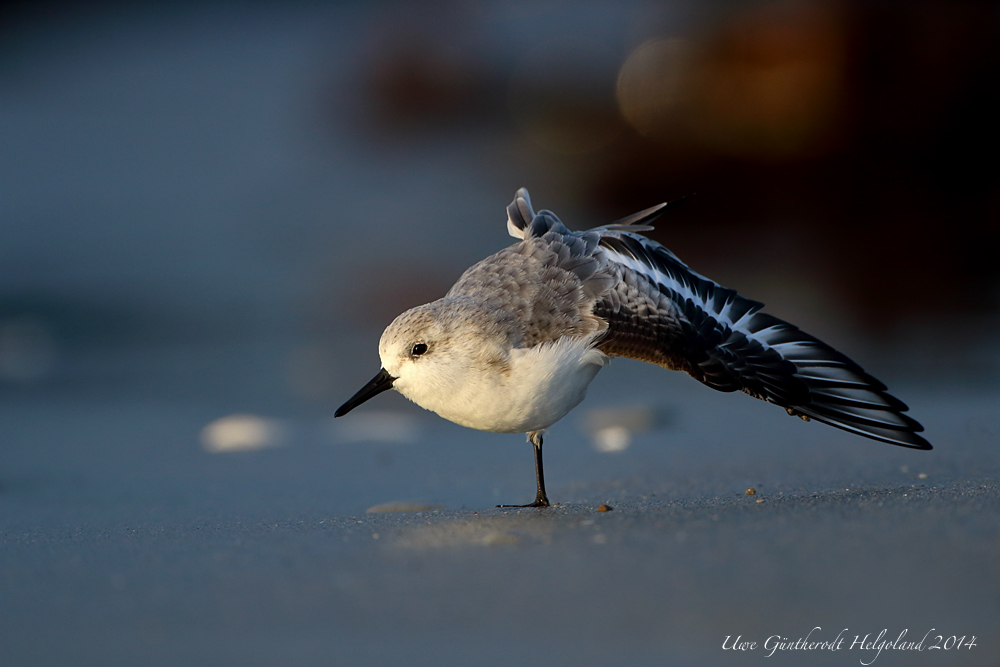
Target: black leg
535 438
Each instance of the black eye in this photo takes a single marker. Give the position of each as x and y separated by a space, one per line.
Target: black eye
418 349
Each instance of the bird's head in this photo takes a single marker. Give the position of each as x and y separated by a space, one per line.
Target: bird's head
442 351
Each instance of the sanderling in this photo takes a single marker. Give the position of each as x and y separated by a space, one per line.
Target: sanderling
513 345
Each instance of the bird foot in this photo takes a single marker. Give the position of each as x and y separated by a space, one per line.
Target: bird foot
539 502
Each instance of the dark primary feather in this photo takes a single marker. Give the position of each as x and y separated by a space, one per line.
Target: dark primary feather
657 310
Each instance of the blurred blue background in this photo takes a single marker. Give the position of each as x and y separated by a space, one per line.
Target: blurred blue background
181 178
210 210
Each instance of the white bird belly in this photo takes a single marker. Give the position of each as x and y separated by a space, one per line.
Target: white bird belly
541 386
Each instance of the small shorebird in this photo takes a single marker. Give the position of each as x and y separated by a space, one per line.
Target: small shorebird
513 345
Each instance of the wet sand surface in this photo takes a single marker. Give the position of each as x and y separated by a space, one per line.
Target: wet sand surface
125 542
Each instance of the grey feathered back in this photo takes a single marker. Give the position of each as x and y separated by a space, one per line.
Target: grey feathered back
650 306
566 277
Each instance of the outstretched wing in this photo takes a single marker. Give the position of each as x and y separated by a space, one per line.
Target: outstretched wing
663 312
658 310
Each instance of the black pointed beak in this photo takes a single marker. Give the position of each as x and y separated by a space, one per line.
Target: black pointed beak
379 383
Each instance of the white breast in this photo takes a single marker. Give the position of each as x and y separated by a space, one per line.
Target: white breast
541 386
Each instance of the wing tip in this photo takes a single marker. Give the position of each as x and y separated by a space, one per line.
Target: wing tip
638 221
902 435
